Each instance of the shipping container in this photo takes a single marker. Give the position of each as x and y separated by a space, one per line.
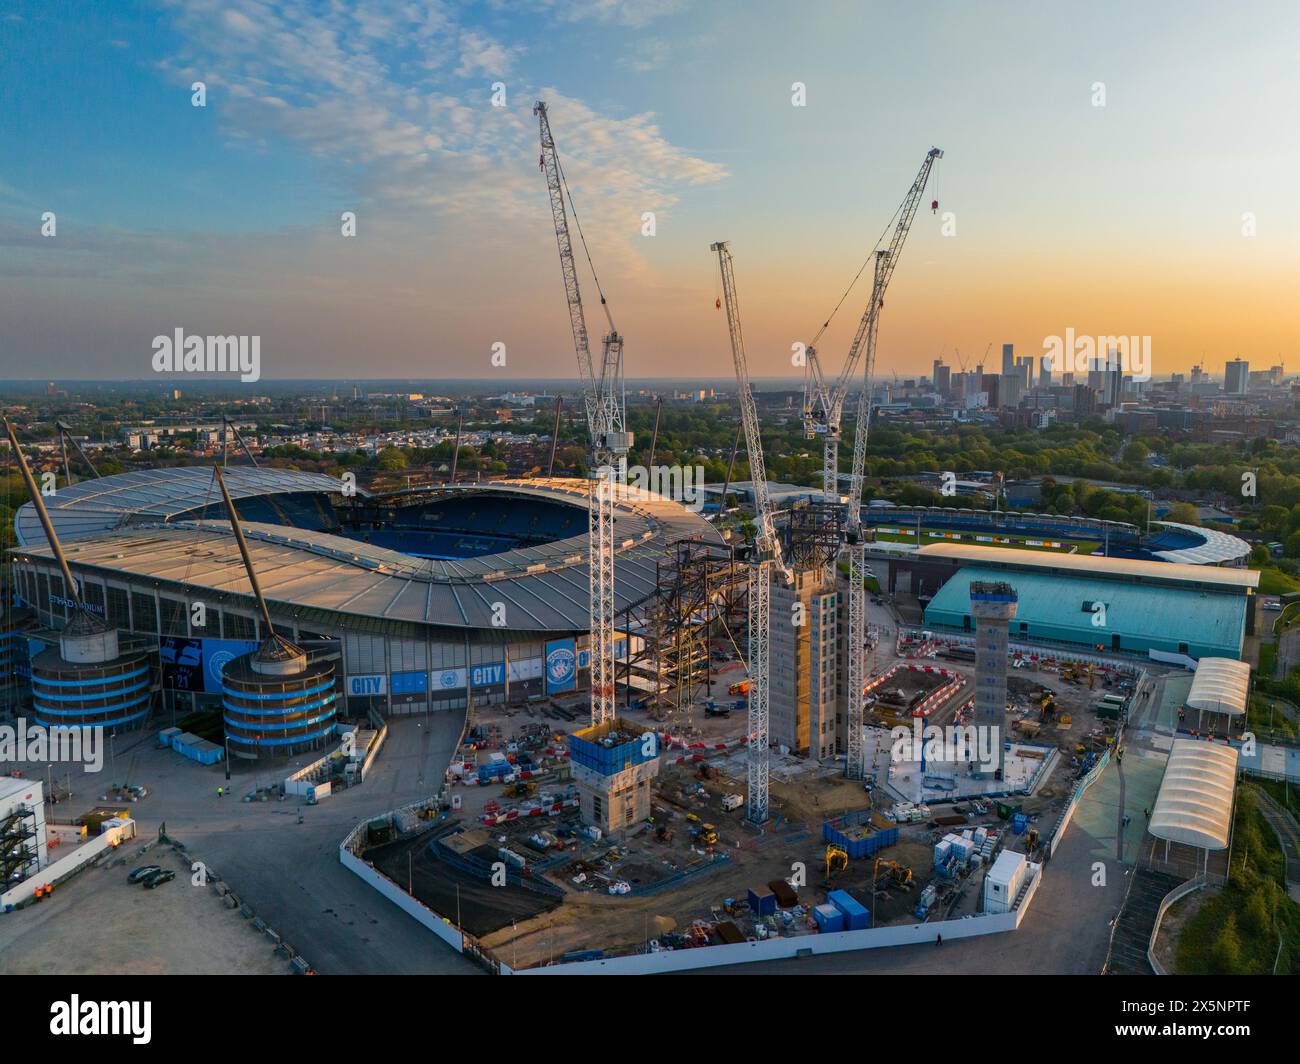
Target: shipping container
856 917
828 919
786 896
762 902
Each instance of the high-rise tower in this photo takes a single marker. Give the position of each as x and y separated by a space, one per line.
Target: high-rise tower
993 605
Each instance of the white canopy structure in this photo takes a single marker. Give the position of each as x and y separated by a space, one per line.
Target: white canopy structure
1221 685
1194 805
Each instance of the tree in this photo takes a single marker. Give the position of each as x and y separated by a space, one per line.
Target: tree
1225 954
391 460
1184 513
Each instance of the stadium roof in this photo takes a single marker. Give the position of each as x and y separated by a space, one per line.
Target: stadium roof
1194 805
1215 549
1221 685
544 587
1087 564
1058 606
150 495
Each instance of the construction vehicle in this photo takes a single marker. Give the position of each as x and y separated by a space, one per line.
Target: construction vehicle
837 860
731 802
610 440
766 554
899 875
522 789
823 406
741 687
705 834
1046 706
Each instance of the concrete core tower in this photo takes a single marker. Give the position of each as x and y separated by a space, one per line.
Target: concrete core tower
993 604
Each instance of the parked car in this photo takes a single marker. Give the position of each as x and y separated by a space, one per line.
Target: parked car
143 871
163 875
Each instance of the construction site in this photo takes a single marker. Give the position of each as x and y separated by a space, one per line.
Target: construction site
773 757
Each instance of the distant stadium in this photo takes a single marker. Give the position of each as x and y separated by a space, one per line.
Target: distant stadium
1167 541
422 599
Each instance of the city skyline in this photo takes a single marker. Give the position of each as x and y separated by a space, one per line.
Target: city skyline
1120 218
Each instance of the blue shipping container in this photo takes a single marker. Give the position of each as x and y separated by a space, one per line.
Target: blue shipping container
828 919
856 917
763 904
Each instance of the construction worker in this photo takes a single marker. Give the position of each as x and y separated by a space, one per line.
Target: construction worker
220 792
938 940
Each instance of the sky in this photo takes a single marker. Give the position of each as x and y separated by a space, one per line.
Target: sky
1111 168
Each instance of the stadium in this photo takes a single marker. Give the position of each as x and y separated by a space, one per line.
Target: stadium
909 527
422 600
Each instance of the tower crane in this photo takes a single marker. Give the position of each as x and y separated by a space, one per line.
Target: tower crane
864 346
610 441
766 556
823 402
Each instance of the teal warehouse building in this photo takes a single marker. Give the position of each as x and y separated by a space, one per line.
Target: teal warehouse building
1109 605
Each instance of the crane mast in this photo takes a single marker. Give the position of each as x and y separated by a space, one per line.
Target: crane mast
610 442
864 347
823 404
767 554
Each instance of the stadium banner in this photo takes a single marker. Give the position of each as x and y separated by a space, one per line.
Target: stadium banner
374 683
561 666
527 669
217 653
409 683
182 663
488 675
196 664
620 651
447 680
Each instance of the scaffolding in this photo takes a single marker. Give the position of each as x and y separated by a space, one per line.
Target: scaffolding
813 532
18 856
701 589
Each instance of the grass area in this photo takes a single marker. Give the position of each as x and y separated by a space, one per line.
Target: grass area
1272 581
1265 720
1288 618
1285 794
1267 659
1236 931
1017 543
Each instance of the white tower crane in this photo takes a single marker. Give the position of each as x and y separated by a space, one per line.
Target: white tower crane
767 554
823 402
864 346
610 441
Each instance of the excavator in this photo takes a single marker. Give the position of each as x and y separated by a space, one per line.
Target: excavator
1047 706
837 860
900 875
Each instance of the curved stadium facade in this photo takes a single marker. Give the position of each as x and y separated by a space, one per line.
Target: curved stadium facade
420 600
1167 541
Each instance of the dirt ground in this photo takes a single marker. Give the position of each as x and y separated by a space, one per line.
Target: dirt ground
99 924
451 892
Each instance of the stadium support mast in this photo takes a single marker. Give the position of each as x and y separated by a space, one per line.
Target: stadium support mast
767 554
65 434
610 440
227 427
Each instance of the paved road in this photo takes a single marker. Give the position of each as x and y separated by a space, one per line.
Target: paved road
288 870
